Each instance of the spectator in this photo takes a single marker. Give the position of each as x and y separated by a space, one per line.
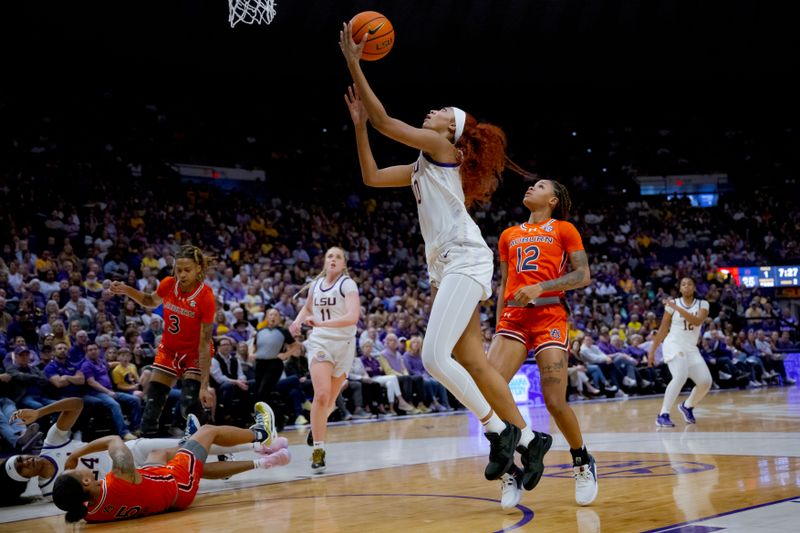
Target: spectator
390 382
27 385
64 375
228 378
435 391
125 375
100 393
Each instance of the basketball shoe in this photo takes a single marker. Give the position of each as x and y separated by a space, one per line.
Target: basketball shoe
265 421
501 451
510 492
318 461
664 421
585 482
532 459
688 413
281 457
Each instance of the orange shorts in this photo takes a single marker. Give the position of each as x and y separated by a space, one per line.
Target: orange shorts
535 327
177 365
186 469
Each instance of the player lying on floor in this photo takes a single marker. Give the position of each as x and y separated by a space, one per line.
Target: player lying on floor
59 446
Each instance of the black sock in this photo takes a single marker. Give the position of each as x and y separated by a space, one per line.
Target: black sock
580 456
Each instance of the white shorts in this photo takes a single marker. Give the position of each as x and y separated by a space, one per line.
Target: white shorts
476 262
673 350
339 352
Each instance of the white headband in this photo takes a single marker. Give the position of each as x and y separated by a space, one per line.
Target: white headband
461 119
11 469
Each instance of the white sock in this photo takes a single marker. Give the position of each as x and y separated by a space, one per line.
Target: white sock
319 444
527 436
494 425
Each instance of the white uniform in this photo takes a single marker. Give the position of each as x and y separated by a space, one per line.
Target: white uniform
453 241
58 446
337 345
682 338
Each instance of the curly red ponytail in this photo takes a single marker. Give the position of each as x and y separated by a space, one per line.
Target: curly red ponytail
482 149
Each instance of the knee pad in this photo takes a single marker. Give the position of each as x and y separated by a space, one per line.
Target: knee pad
190 399
154 401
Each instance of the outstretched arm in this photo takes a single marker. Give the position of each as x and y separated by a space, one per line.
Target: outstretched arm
69 409
426 140
397 176
145 299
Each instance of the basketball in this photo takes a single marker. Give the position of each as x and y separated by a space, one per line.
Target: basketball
381 34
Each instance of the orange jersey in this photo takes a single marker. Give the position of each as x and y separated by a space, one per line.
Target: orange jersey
183 315
536 253
172 486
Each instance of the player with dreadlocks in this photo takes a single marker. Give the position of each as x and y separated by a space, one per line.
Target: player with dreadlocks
186 345
532 316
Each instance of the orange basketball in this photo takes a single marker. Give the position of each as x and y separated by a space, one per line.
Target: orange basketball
381 34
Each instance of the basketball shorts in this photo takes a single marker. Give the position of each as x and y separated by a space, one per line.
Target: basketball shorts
672 350
186 468
535 327
339 352
177 364
474 261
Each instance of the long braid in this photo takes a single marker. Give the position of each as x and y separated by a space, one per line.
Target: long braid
564 205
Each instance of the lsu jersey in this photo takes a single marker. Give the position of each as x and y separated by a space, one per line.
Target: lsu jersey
443 217
329 304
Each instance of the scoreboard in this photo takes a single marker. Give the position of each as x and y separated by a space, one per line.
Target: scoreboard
763 276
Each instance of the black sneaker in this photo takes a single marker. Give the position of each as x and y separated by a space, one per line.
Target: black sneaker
318 461
310 438
29 438
532 459
501 451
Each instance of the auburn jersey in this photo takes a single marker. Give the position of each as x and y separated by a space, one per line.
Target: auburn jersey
183 315
122 499
536 253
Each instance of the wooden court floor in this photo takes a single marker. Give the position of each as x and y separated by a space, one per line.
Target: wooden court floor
743 453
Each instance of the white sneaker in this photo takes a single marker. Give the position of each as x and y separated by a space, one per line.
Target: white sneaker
789 381
646 383
724 376
510 492
621 394
585 482
628 382
754 384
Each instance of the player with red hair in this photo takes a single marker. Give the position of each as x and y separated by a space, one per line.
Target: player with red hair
460 164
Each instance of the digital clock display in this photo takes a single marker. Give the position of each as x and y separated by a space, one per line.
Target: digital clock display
752 277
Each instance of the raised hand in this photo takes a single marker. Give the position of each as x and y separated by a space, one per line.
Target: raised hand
356 107
351 50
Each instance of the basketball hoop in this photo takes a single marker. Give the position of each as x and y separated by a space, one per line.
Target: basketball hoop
251 11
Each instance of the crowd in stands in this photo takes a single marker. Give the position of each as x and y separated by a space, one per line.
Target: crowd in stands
73 227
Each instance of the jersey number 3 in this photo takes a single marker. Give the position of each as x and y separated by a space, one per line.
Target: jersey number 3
526 259
174 324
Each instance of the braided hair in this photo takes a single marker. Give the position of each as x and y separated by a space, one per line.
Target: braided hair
195 254
564 205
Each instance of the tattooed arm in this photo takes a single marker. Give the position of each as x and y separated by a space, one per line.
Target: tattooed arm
580 276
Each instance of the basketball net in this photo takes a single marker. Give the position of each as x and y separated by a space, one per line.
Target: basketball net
251 11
